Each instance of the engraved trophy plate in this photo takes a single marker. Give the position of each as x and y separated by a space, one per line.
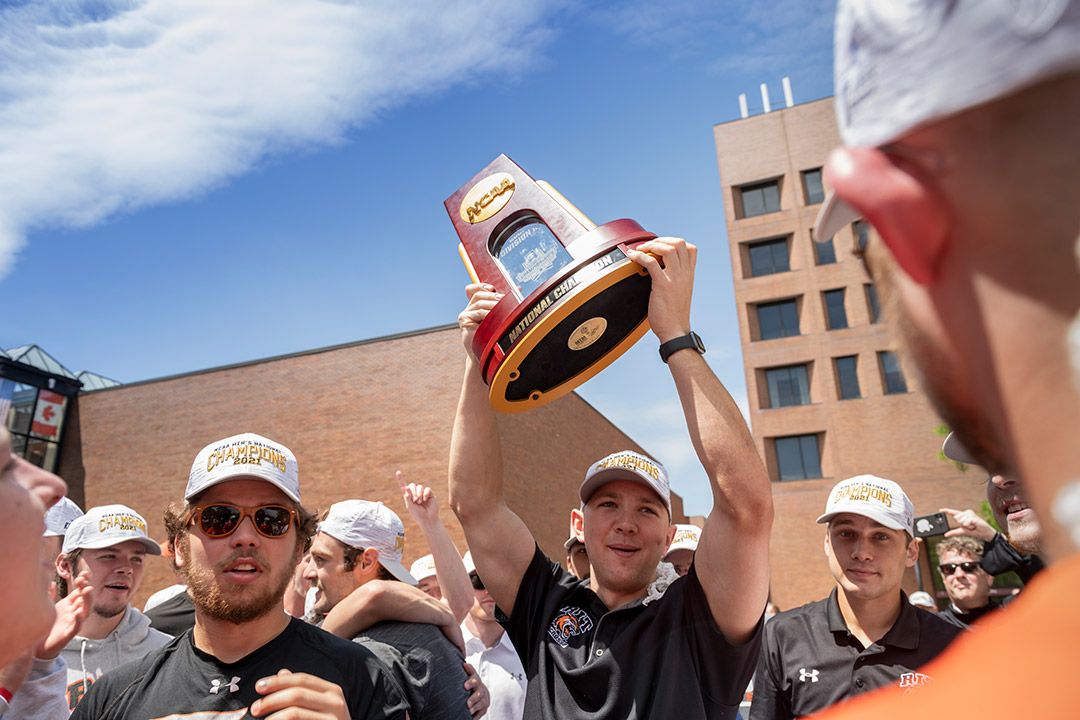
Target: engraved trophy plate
573 301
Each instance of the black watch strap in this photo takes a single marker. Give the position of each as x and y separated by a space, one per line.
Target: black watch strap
690 340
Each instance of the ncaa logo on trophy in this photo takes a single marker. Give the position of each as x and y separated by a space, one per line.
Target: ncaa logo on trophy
572 301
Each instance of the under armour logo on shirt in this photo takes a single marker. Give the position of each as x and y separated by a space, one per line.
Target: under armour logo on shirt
804 673
217 685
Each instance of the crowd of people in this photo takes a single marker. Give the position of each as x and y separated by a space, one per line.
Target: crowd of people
959 123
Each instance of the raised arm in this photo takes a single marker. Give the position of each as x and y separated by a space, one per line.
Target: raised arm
501 545
732 558
453 580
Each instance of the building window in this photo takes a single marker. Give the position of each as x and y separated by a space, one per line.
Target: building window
797 457
826 252
893 373
34 418
861 228
788 386
760 199
778 319
872 303
769 257
847 378
835 313
815 192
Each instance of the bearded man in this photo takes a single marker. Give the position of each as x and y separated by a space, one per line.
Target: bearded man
237 547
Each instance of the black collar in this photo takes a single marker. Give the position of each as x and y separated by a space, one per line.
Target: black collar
903 634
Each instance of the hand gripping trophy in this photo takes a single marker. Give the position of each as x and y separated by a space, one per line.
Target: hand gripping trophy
573 301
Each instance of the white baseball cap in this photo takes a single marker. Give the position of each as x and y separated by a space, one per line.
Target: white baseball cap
686 538
423 568
902 65
627 465
879 499
105 526
60 517
921 598
246 455
366 524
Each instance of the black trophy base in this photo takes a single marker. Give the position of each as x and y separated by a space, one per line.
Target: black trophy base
587 329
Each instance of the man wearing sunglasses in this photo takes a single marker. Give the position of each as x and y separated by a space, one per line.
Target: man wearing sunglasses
620 644
866 634
960 131
238 539
966 583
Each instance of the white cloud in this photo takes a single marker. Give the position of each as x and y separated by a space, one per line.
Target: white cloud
150 101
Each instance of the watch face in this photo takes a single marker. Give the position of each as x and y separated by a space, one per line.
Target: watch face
697 342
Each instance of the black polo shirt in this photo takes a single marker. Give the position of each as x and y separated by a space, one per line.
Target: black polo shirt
810 661
665 659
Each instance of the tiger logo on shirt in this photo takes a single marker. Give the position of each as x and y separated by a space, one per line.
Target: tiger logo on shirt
569 622
911 681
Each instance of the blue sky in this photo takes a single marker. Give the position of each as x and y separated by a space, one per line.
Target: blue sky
196 184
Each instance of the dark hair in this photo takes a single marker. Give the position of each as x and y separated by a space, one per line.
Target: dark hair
352 555
62 588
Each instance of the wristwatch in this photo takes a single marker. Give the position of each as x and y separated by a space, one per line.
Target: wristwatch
690 340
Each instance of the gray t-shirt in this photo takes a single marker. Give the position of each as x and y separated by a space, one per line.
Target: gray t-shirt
426 665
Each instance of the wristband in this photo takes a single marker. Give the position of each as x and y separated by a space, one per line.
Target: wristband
5 694
684 342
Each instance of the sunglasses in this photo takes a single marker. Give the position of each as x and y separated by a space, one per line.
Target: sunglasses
477 583
949 568
221 520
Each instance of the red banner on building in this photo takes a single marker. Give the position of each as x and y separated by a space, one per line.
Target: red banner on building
50 409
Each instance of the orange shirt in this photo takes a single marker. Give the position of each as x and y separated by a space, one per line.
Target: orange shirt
1024 658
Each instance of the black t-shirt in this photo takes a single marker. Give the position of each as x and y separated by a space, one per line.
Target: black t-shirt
809 661
425 664
174 616
179 680
666 659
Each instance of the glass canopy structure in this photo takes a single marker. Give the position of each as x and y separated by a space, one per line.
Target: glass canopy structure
36 391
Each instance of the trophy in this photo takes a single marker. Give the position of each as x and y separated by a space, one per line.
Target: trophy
572 301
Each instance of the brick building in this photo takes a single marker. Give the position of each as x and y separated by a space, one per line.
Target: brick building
353 414
829 396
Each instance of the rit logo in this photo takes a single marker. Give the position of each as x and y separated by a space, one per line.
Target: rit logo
804 674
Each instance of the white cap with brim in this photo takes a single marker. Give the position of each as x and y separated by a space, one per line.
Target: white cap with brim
246 455
423 568
686 538
60 517
105 526
903 65
921 598
366 524
627 465
881 500
955 450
